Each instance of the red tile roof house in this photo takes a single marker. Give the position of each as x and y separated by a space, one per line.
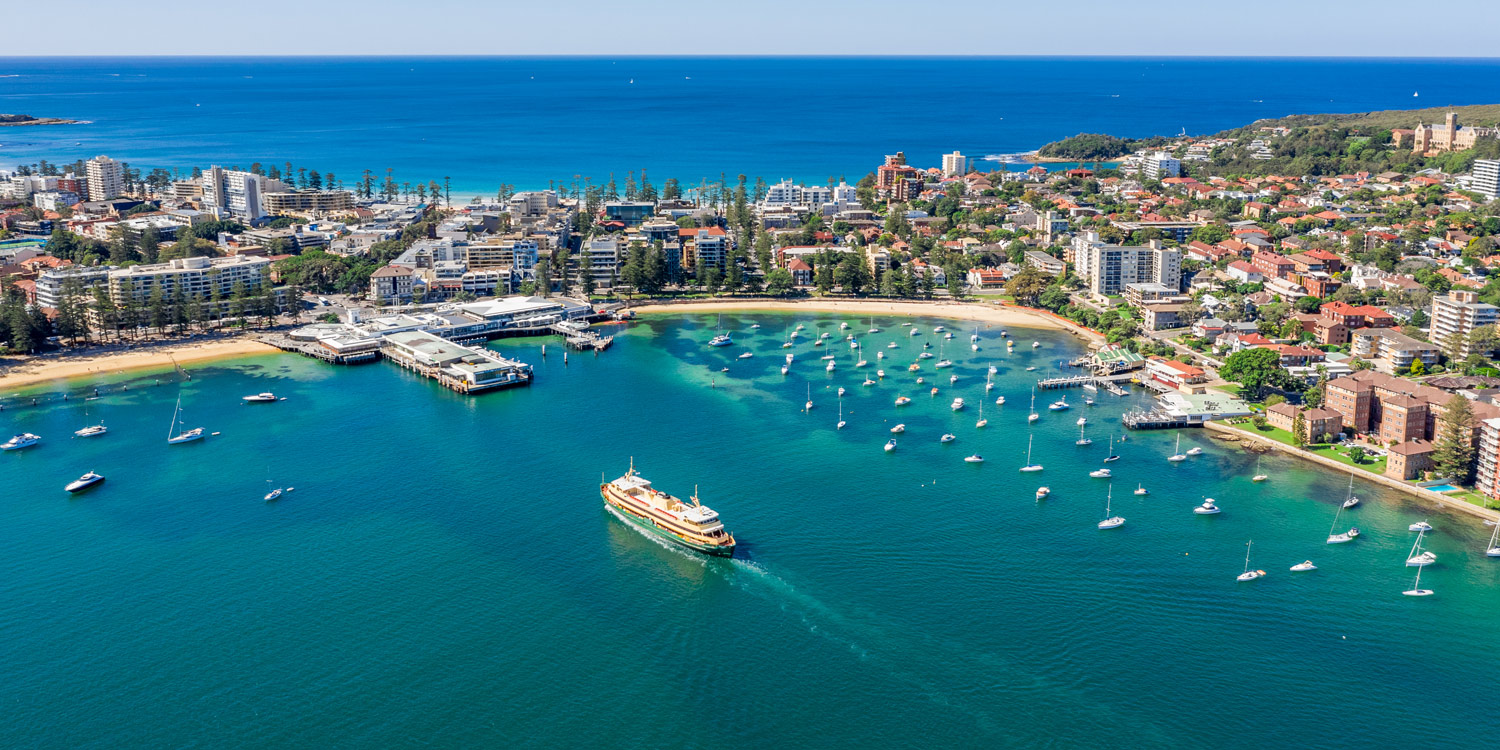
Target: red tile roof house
1231 341
1296 356
1244 272
801 272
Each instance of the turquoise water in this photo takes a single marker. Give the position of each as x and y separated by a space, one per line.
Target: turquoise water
444 574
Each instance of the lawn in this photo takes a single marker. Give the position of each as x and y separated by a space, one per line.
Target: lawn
1326 450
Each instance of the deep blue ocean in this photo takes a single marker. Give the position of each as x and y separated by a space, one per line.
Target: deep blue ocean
525 121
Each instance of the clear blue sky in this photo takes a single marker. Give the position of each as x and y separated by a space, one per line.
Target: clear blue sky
1374 28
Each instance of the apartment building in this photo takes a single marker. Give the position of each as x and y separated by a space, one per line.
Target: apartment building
786 194
50 283
307 202
1390 351
240 195
1316 422
955 165
510 253
1388 408
1160 166
1486 180
1334 321
198 278
391 284
1108 269
1487 471
106 178
602 258
1456 314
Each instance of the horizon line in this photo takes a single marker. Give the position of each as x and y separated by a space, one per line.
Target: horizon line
739 55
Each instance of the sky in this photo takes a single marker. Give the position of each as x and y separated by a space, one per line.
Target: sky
1276 28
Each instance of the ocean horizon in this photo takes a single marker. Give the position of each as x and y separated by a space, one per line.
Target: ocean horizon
534 121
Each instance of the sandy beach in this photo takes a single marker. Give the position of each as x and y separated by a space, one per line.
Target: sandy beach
19 373
986 313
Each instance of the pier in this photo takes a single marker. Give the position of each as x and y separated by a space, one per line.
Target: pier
580 338
1106 382
458 368
1156 419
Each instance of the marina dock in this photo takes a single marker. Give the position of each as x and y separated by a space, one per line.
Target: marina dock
1106 382
459 368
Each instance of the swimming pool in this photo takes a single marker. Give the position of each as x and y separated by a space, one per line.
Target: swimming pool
1442 488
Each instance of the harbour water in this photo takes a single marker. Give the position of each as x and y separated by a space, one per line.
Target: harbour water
528 121
445 574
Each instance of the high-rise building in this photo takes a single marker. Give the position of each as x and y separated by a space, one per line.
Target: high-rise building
1160 165
955 164
1487 178
1455 315
1108 269
106 179
236 194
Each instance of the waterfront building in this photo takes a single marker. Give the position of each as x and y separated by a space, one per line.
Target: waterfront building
52 200
1487 474
705 247
955 165
531 203
1316 422
457 367
50 283
1050 265
1486 180
1455 315
307 202
1178 375
392 284
602 259
786 194
891 177
105 178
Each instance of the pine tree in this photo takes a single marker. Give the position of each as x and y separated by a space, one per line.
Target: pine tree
1454 453
1299 430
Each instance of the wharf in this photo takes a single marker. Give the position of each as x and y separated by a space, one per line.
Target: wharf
459 368
1107 382
319 350
1156 419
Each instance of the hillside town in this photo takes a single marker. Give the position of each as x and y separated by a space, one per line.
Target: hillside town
1355 308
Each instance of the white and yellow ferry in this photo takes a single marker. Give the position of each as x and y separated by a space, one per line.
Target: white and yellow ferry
691 525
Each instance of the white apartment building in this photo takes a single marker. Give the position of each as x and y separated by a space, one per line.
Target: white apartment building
533 203
602 256
1486 180
519 254
1159 166
955 165
105 178
1108 269
1456 314
196 277
238 194
50 283
52 200
787 194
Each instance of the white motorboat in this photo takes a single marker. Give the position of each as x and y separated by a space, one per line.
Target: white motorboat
957 405
938 329
902 401
1101 473
913 367
952 379
974 459
1304 566
921 381
754 326
926 355
880 373
1208 508
890 445
747 355
973 347
947 438
1177 454
879 355
1418 557
891 345
1249 575
1110 522
722 339
1042 492
1082 421
1031 369
1195 451
1347 536
1091 388
1422 526
1059 405
1000 401
994 370
831 366
898 429
948 335
23 440
1141 491
268 397
91 431
843 326
1088 401
785 369
1035 344
841 391
1029 465
84 482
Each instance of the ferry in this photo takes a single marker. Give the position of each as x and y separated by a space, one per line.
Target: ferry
694 525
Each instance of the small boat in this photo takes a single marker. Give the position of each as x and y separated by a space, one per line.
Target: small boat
869 382
1042 492
880 355
747 355
1249 575
1029 465
913 367
754 326
994 370
831 366
938 329
957 405
947 438
841 411
982 421
23 440
91 430
1422 526
1418 557
259 398
809 398
1177 454
933 392
1304 566
976 458
1059 405
1000 401
921 381
915 332
973 347
1207 508
273 494
1110 522
1141 491
843 326
891 345
948 335
1195 451
1003 333
1035 344
84 482
1259 477
187 436
898 429
1493 550
1416 587
785 369
890 445
880 373
1351 502
1088 401
1082 421
926 355
952 379
841 391
1031 369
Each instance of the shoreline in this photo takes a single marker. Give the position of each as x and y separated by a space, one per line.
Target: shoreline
47 368
1022 317
1445 501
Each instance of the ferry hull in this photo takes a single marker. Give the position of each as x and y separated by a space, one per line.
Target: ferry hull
625 514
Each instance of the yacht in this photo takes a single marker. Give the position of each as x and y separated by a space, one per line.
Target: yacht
976 458
1101 473
902 400
91 430
869 382
1110 522
1493 550
898 429
747 355
809 405
632 499
1029 465
1416 588
84 482
890 445
23 440
1422 526
1195 451
1249 575
1177 454
1418 557
947 438
1033 416
1207 508
1000 401
259 398
957 405
1304 566
1141 491
1259 477
186 436
1059 405
1042 492
1351 502
982 421
273 494
1346 536
1082 421
943 363
1091 388
722 339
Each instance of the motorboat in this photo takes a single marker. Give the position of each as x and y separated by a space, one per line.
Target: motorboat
1422 526
1304 566
1035 344
880 373
1042 492
1000 401
913 367
926 355
898 429
957 405
1059 405
890 445
1082 421
841 390
976 458
933 392
921 381
268 397
747 355
1141 491
785 369
952 379
1101 473
23 440
891 345
1091 388
1347 536
754 326
1031 369
1207 508
831 366
84 482
1195 451
1088 401
938 329
994 370
91 431
947 438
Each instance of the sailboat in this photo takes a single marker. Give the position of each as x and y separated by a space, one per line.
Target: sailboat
1112 455
1352 532
809 398
989 382
1033 416
1416 586
975 335
862 361
1081 439
841 411
720 338
1110 522
1177 454
1494 548
275 492
982 421
942 361
873 329
1418 557
187 436
1259 477
1249 575
1029 465
93 429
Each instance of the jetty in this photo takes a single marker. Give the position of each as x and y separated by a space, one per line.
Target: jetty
458 368
1107 382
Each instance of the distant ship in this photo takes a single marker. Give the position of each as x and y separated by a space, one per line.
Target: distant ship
691 525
